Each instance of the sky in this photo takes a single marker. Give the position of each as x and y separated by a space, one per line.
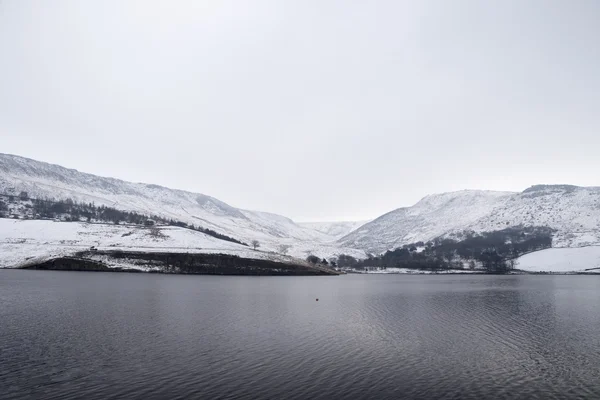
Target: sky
313 109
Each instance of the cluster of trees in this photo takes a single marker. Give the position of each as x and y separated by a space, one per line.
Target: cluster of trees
346 261
198 228
332 263
70 210
495 251
343 261
3 209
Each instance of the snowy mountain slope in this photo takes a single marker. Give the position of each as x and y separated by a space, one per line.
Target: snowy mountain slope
336 229
574 212
43 180
30 241
433 216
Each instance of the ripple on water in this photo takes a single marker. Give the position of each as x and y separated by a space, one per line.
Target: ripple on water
99 336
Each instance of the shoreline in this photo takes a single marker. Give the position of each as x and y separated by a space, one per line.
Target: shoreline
175 263
462 272
75 264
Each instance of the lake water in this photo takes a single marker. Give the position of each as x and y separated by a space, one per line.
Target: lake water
114 335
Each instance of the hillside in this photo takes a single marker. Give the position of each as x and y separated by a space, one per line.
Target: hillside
42 180
27 240
431 217
335 229
31 243
573 212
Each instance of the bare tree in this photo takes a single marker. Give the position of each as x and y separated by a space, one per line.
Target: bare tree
255 244
154 233
284 248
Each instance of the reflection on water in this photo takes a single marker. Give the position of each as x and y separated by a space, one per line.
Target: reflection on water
101 335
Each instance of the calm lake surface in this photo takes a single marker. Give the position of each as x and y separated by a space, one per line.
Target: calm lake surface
113 335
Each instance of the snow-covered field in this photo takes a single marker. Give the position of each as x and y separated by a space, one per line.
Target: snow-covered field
555 260
25 242
562 260
417 271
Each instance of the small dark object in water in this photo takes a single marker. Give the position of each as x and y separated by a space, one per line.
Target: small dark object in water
317 299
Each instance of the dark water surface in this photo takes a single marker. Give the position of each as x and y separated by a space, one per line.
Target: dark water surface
107 335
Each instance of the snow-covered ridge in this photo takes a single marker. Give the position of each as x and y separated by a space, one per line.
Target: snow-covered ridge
336 229
574 212
43 180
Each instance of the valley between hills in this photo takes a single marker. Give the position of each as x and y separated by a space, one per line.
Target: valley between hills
53 217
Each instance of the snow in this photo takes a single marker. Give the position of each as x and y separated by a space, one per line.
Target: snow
43 180
562 260
335 229
25 242
431 217
574 212
416 271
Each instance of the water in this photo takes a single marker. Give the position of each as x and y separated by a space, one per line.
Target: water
107 335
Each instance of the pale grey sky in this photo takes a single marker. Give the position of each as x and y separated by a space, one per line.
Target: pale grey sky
317 110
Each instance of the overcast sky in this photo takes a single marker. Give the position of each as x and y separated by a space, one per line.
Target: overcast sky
317 110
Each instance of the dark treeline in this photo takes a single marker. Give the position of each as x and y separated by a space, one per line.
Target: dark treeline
495 251
70 210
3 208
312 259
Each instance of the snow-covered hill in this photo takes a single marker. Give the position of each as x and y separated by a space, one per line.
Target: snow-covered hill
431 217
573 211
26 243
43 180
336 229
23 241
